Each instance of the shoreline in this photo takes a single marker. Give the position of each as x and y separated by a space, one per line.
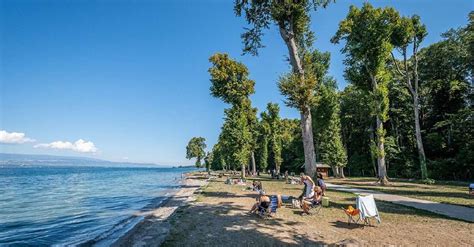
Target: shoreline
154 228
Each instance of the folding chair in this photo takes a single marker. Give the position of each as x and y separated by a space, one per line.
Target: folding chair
271 210
315 207
367 208
351 213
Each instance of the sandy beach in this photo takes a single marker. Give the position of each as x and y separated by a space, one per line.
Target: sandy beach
153 230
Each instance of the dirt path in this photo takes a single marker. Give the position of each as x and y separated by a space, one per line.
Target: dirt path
453 211
153 230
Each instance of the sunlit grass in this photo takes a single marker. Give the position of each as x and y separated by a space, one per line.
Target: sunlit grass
452 193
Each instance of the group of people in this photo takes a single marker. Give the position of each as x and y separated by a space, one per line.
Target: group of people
312 192
311 196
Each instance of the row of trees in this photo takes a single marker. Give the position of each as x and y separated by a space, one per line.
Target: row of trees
400 99
429 130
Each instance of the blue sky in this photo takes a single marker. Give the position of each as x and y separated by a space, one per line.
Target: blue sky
128 80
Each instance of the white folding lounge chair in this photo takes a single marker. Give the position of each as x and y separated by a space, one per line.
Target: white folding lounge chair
367 208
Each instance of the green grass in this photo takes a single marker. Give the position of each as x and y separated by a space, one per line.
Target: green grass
456 193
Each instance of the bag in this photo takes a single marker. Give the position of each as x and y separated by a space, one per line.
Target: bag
295 203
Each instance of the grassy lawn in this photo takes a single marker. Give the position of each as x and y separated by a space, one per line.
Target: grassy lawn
219 217
456 193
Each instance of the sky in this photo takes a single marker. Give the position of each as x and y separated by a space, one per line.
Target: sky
128 80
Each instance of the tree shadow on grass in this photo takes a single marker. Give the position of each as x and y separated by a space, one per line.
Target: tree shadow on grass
345 225
387 208
204 225
224 194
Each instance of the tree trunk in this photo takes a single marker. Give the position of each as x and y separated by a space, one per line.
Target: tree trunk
372 137
381 153
254 166
341 172
335 171
308 145
243 171
306 123
419 142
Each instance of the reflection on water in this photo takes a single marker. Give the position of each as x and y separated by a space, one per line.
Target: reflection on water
69 205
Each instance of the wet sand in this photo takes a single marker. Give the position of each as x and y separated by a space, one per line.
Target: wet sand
154 229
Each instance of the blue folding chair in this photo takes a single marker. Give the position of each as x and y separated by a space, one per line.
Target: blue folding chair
271 209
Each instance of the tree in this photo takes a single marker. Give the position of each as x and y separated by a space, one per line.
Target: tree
367 33
253 127
356 126
218 157
262 142
238 135
273 121
230 82
229 79
293 20
208 161
292 146
411 32
446 70
327 128
195 149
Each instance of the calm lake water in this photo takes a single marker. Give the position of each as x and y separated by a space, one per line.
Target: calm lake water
72 205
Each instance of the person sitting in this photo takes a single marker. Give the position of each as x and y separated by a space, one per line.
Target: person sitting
308 190
321 183
263 202
257 186
307 203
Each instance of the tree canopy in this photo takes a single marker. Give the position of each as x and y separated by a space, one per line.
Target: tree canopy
195 149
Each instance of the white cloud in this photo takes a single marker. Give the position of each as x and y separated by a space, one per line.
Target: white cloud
80 146
13 137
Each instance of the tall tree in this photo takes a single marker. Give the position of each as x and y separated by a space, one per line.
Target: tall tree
230 82
218 157
238 135
447 91
273 121
367 33
293 21
411 32
195 149
356 123
327 128
262 142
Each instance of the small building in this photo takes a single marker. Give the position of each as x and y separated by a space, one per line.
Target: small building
323 169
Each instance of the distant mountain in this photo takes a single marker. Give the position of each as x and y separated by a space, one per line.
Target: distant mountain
7 159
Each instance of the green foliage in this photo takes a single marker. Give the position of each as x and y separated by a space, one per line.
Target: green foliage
237 135
356 125
279 142
273 121
327 126
446 72
208 160
218 161
367 33
195 149
292 146
238 138
229 79
446 115
300 91
289 15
